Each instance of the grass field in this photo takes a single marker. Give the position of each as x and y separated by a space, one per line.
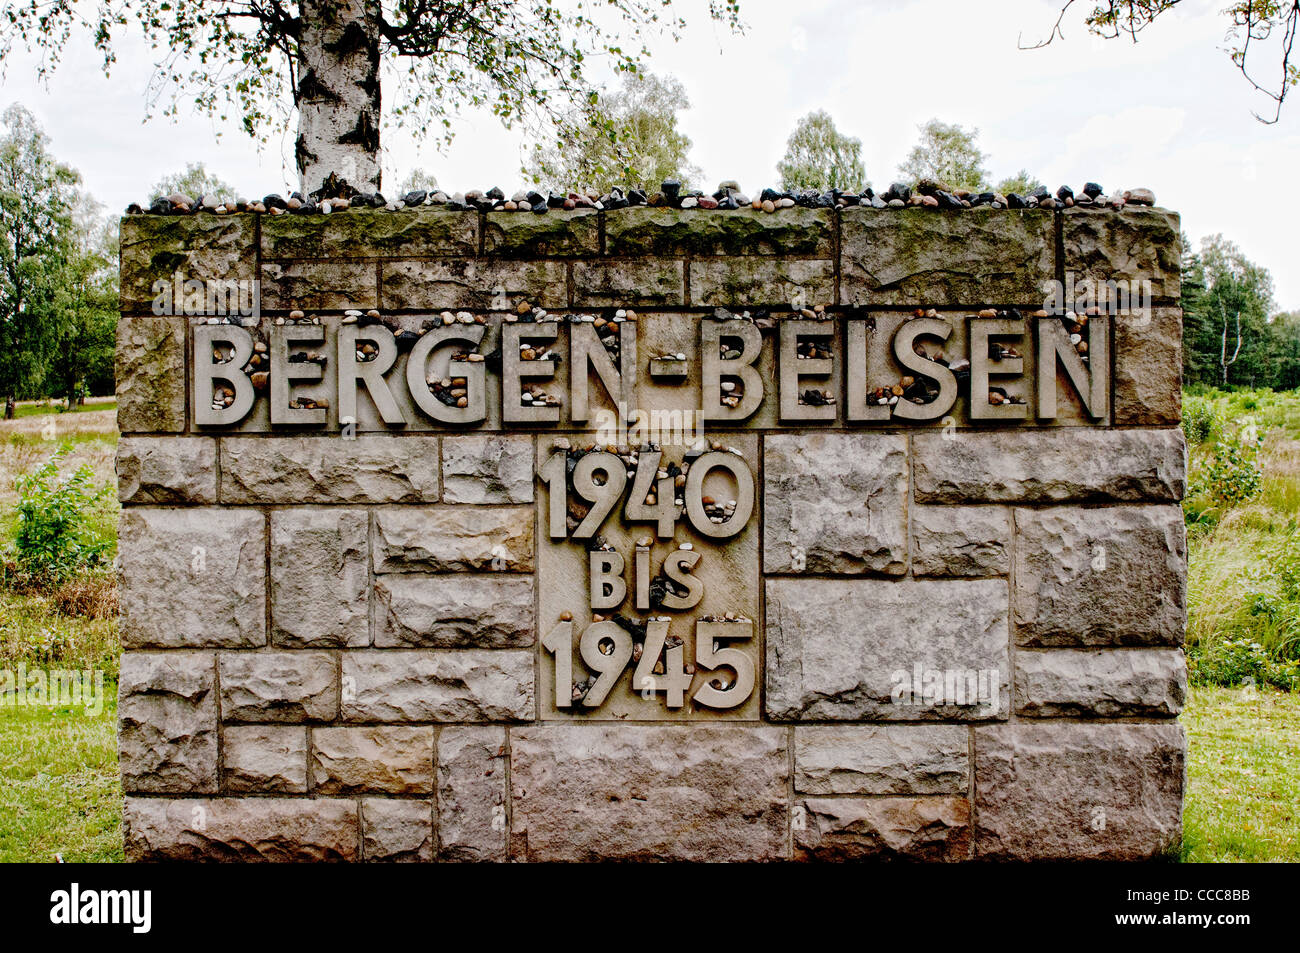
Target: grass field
60 795
1243 772
59 788
41 408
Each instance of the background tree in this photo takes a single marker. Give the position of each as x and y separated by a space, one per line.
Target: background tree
629 137
1227 287
1022 183
194 182
947 153
37 197
1257 29
1200 337
1284 330
417 180
523 59
86 294
818 156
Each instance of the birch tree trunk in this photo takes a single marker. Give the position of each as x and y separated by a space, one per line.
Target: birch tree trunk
338 93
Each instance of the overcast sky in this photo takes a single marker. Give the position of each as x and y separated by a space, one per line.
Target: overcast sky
1170 113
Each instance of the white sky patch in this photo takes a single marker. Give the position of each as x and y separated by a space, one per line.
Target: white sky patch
1170 112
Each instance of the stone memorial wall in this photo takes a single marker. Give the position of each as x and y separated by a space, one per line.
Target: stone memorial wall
652 534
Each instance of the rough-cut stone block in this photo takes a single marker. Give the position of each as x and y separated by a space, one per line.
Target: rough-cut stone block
736 282
370 234
557 234
286 686
396 831
319 285
192 577
640 792
1112 576
150 374
961 540
487 469
167 714
900 759
302 830
265 759
460 610
871 649
370 469
634 283
920 257
472 793
1078 791
202 247
1149 368
454 539
1135 245
320 577
438 685
660 231
1050 466
166 470
372 759
892 828
1145 683
835 503
473 283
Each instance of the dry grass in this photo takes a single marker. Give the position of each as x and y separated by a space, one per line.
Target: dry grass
87 597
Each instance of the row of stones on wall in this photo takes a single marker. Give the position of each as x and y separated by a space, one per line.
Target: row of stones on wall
336 195
1145 378
651 257
585 792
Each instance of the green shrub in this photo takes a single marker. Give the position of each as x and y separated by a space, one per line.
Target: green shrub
1238 662
1229 476
55 536
1201 420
